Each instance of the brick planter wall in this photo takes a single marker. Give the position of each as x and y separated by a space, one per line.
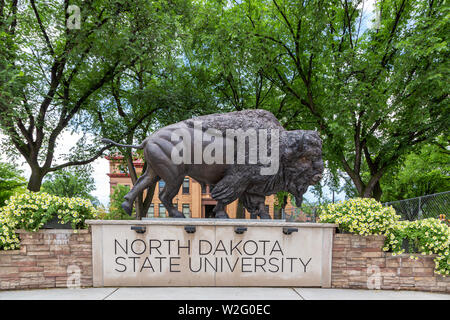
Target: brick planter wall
48 259
57 258
359 262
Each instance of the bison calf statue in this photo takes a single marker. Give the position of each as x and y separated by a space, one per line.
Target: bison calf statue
244 155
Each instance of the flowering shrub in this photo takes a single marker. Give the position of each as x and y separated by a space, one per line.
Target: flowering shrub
8 238
429 236
30 211
444 219
363 216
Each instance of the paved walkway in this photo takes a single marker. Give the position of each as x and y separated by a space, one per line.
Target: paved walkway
222 293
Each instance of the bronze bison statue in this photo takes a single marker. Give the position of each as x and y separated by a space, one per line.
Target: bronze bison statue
244 155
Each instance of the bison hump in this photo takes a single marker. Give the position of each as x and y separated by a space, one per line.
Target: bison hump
246 119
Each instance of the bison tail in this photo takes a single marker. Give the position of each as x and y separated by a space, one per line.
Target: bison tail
141 146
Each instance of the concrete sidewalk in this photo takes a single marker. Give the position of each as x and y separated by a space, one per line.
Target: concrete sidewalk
221 293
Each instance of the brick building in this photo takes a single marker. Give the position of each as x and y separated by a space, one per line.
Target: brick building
193 200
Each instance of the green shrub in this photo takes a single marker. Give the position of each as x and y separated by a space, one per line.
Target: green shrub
113 215
8 237
31 210
367 216
115 206
76 182
11 182
427 236
363 216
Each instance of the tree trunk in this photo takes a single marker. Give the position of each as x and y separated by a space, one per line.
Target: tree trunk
373 188
277 213
240 212
370 190
283 205
138 203
377 191
35 181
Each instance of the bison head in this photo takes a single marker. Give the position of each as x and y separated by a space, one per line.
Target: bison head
302 161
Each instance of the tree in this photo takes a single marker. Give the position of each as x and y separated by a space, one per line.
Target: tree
423 172
233 63
144 100
331 181
50 74
74 182
156 89
11 181
374 92
281 202
115 209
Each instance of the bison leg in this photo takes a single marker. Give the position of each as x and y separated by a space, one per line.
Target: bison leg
262 212
219 211
145 180
255 205
229 188
226 191
166 196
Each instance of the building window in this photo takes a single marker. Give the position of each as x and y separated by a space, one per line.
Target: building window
161 184
151 211
186 186
162 211
186 210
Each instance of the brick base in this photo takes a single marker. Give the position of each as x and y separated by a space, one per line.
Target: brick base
48 259
359 262
63 258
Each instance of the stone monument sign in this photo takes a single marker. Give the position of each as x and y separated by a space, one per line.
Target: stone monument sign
211 252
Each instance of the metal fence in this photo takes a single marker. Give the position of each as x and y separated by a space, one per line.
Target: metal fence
430 206
309 214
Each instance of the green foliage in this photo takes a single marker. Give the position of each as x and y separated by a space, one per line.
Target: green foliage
11 182
8 236
31 210
374 91
113 215
310 209
71 183
443 218
115 209
360 215
52 78
424 172
331 181
367 217
427 236
281 199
